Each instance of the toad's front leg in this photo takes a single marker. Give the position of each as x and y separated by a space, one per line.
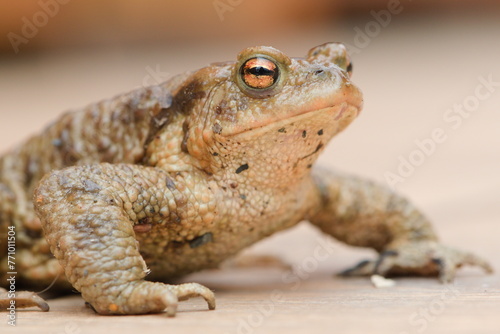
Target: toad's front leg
365 214
88 215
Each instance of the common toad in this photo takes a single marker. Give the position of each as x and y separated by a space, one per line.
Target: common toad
177 177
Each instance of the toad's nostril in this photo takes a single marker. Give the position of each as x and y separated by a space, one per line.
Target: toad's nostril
318 72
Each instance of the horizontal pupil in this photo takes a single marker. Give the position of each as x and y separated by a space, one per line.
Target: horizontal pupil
259 71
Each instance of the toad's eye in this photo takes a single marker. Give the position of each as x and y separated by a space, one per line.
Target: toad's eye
259 73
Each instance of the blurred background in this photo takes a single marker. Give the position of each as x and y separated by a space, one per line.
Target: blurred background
424 66
114 23
415 61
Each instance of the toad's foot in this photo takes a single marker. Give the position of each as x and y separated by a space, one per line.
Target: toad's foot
22 299
149 297
422 258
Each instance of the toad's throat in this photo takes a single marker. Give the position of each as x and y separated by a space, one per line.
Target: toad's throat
320 145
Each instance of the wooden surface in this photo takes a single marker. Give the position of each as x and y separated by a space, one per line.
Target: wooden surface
307 300
411 74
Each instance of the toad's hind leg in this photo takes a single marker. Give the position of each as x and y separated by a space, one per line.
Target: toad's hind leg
25 259
21 260
362 213
24 299
88 214
34 270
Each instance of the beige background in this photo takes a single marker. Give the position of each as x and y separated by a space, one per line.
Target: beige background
411 72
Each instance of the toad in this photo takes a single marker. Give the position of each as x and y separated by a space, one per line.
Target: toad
119 197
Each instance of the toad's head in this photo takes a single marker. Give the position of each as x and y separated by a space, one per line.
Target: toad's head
268 115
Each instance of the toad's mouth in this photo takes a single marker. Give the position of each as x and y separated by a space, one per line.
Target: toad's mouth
343 103
340 114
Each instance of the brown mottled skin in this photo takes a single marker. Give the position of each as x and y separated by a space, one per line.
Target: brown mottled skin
175 178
